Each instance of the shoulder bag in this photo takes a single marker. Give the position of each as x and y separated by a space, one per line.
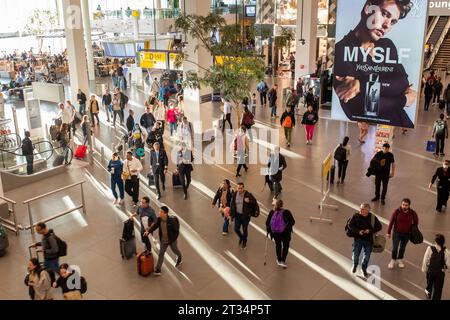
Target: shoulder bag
379 240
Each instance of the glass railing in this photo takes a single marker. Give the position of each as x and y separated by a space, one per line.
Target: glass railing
144 14
231 9
46 156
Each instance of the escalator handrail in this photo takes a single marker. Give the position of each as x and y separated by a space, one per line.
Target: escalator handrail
36 153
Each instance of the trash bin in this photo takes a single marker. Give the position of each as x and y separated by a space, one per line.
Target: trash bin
4 244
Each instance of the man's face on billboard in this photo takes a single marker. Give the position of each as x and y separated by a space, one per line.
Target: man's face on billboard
380 21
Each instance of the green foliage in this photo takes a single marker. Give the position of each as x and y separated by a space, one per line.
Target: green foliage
40 21
285 38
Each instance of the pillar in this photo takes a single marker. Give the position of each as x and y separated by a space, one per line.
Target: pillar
158 4
88 39
136 17
200 58
305 55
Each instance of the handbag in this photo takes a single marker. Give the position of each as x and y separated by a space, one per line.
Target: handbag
126 175
379 240
416 236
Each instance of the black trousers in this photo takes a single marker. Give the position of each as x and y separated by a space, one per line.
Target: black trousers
440 144
342 169
95 115
263 98
227 119
281 246
29 159
185 177
159 176
146 241
132 189
240 166
435 283
437 96
378 180
428 101
442 197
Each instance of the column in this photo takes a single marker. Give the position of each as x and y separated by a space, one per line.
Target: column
75 47
305 55
88 39
157 4
198 59
136 18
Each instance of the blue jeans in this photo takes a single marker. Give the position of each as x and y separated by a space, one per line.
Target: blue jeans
82 109
244 221
226 223
119 184
447 105
273 113
52 264
399 240
173 128
358 245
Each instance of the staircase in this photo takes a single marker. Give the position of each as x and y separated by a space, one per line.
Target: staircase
440 25
443 56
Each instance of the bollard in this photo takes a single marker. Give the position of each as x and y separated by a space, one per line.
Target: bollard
16 125
102 155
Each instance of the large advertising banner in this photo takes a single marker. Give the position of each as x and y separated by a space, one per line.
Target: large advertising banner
287 12
378 60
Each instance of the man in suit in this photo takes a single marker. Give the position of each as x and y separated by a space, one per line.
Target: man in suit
159 163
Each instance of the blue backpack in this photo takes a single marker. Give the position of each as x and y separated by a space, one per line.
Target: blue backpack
277 223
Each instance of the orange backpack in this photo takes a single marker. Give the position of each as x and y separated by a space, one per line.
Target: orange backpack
287 122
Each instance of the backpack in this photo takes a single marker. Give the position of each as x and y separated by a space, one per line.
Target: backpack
83 285
277 223
248 121
349 231
125 99
62 246
340 154
440 127
437 261
255 212
287 122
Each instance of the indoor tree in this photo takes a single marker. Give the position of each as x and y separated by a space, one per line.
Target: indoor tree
38 23
236 67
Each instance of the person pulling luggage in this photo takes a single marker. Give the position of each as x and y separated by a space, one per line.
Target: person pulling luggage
277 164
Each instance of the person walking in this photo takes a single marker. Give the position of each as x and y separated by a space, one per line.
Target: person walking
363 226
279 225
277 164
446 98
185 168
94 108
243 205
131 170
107 104
117 107
67 284
253 104
437 90
85 123
273 96
240 148
223 200
147 119
341 155
429 91
137 141
310 119
160 112
130 122
248 121
81 98
262 88
443 185
363 127
440 133
39 281
227 108
401 223
159 163
172 119
147 217
287 121
186 133
49 246
28 152
169 230
155 87
299 88
386 160
436 262
115 168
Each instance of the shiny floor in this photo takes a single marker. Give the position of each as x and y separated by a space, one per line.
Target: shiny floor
214 267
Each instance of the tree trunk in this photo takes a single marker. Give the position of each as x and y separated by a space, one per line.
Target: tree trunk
238 113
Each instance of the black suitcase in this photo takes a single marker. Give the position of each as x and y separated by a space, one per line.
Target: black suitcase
151 179
442 104
331 174
59 161
176 180
127 248
128 230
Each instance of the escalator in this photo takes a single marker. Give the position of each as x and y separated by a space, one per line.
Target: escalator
48 160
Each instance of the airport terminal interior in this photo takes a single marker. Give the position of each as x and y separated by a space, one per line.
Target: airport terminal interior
59 133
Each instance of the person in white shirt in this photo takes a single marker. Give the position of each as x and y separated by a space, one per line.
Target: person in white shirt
435 263
186 133
132 167
65 114
226 114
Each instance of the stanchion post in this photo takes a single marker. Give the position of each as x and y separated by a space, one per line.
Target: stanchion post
31 218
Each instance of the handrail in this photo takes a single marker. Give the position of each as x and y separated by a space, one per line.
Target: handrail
433 25
11 224
438 45
37 153
56 216
53 192
8 200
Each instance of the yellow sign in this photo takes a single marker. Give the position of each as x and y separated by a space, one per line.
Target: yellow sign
327 165
172 59
153 60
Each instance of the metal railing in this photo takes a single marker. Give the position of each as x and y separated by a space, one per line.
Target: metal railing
58 215
11 225
438 45
144 14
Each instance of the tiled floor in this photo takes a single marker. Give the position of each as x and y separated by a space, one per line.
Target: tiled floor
214 267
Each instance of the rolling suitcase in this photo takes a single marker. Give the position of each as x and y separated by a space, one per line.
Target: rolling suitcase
176 180
80 152
127 248
59 161
145 263
151 179
331 174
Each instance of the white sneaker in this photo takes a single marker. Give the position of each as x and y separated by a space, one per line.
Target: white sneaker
283 264
391 264
115 201
401 265
121 201
279 263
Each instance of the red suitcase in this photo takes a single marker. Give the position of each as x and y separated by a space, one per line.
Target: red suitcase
80 152
145 263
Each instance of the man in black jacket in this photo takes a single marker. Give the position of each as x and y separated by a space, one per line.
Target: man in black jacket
169 230
147 119
273 96
130 122
443 185
159 163
243 206
81 97
49 246
28 152
107 103
277 164
383 174
363 226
